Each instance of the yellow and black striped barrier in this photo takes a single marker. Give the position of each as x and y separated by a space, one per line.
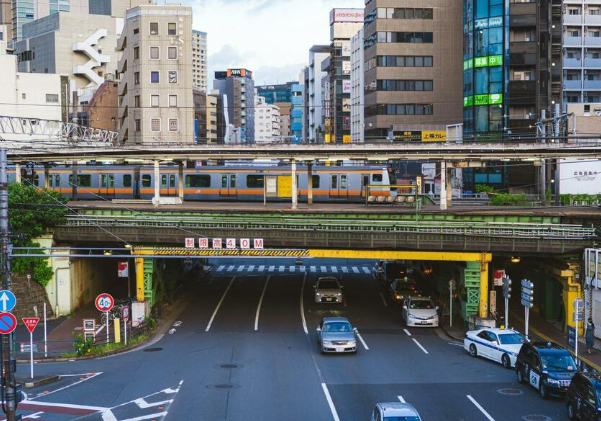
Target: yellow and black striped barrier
195 252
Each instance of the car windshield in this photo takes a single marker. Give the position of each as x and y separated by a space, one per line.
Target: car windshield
558 363
404 286
328 284
411 418
422 304
337 327
511 338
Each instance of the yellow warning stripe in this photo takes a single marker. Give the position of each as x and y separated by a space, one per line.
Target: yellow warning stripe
222 252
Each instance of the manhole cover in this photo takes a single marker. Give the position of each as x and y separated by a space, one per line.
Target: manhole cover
153 349
537 418
510 391
229 366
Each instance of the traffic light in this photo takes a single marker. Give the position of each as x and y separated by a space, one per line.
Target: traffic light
506 287
527 293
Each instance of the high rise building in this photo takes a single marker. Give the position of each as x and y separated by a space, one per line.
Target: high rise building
357 87
304 81
6 21
297 111
314 129
156 102
276 93
267 121
200 78
236 86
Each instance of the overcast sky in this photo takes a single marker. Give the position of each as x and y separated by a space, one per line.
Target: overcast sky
269 37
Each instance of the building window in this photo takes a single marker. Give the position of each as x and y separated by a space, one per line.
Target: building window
171 29
137 101
136 53
172 76
173 100
136 78
136 31
154 101
52 98
172 53
23 96
399 109
154 77
154 28
173 124
154 53
405 13
404 85
155 125
138 124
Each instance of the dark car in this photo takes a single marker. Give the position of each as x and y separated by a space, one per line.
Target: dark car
547 366
401 289
583 399
389 270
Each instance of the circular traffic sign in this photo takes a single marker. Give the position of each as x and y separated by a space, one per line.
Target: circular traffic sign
104 302
8 323
8 301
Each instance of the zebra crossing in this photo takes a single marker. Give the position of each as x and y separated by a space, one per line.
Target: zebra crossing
334 270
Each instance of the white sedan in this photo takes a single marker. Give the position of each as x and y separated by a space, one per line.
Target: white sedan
500 345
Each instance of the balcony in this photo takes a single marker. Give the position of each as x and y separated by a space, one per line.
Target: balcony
572 62
592 62
122 88
123 112
576 19
592 19
572 84
522 91
592 84
567 41
122 64
595 41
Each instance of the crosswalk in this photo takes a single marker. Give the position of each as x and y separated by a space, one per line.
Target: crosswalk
334 270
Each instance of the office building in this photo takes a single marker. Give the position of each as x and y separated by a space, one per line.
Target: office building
357 88
205 117
155 92
289 99
276 93
314 127
267 121
6 22
581 51
297 111
236 86
200 78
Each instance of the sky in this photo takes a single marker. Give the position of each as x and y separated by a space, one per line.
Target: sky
269 37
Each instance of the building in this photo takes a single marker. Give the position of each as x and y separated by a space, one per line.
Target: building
314 128
102 111
286 97
236 86
267 121
205 117
155 92
6 22
297 112
344 24
276 93
581 51
212 117
357 87
304 81
200 78
412 66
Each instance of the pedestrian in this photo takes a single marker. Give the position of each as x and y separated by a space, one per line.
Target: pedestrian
590 335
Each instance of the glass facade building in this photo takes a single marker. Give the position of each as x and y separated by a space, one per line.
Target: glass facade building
297 111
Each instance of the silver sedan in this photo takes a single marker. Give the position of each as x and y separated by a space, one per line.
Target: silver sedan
335 334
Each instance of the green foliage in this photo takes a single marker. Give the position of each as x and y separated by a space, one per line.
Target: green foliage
82 347
580 199
86 348
548 195
484 188
32 213
506 199
152 323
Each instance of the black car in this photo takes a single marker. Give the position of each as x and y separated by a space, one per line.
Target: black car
547 366
401 289
583 399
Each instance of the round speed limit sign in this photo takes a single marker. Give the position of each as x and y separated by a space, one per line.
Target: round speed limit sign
104 302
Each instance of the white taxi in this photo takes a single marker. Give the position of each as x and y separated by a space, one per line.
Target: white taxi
500 345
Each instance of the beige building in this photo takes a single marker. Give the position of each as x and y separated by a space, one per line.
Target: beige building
155 93
586 120
6 20
199 60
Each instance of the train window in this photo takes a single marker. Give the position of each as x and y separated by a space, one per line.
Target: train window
127 180
55 180
36 180
83 180
334 183
146 180
224 181
343 182
376 178
164 181
233 181
315 181
255 181
198 181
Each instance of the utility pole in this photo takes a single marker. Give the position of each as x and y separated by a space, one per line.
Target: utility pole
543 163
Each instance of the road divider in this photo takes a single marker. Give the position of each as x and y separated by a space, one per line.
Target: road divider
486 414
219 304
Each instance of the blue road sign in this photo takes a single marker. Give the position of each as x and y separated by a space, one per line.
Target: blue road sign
8 301
8 323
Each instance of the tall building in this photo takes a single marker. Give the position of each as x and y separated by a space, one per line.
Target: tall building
314 129
156 102
285 96
297 111
205 117
344 24
267 121
200 78
6 21
304 81
276 93
581 51
412 67
357 87
238 91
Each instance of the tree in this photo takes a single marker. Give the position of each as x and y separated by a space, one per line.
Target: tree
33 212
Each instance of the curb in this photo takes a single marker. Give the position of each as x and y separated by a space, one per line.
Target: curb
449 335
40 382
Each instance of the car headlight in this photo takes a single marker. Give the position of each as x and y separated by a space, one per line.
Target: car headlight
434 317
327 342
318 294
398 296
352 343
339 294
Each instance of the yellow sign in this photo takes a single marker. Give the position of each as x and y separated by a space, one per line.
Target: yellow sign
284 186
327 137
346 138
225 252
434 136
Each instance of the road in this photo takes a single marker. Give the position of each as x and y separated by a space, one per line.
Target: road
246 350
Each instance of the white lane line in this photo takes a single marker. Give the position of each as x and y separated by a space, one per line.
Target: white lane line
219 304
330 402
251 268
344 269
334 269
362 341
355 269
44 394
142 404
384 300
282 268
366 270
313 269
303 268
147 417
407 332
107 415
220 268
323 269
261 268
230 268
401 399
66 405
35 416
261 302
486 414
302 306
271 268
420 345
240 268
292 268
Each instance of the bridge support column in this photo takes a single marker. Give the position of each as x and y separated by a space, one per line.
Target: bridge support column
443 185
294 185
47 176
18 173
157 184
483 308
180 181
310 183
140 279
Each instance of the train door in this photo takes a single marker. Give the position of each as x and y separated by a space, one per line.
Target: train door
168 185
364 184
107 185
338 186
227 189
136 182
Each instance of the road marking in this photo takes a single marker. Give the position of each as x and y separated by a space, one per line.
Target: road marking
313 269
486 414
142 404
355 269
219 304
366 270
261 302
240 268
302 307
420 345
362 341
147 417
407 332
230 268
323 269
384 300
44 394
281 269
344 269
330 402
107 415
334 269
261 268
292 268
303 268
220 268
251 268
456 344
401 399
34 416
271 268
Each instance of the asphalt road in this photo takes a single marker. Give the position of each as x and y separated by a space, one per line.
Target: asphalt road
242 353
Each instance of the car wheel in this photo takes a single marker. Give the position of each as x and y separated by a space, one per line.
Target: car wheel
543 391
571 411
520 376
505 361
473 350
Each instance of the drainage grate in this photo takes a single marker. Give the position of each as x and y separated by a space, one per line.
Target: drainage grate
152 349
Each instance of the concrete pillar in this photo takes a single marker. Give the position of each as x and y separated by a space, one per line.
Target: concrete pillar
18 173
449 188
157 184
180 182
443 185
310 183
140 279
47 176
483 308
294 186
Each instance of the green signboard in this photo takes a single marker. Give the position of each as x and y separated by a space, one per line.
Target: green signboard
481 62
468 101
488 61
468 64
495 98
484 99
495 60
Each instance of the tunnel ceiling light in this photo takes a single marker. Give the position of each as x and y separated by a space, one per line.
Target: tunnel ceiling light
108 252
515 259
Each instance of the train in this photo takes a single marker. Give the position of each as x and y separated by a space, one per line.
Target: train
241 182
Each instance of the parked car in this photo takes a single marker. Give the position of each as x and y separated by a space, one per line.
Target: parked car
420 311
500 345
394 411
328 290
583 398
547 366
335 334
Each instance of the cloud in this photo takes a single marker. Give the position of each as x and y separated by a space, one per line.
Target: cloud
267 75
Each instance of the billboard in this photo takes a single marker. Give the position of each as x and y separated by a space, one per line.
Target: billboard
346 87
346 67
346 16
579 176
346 49
239 73
419 135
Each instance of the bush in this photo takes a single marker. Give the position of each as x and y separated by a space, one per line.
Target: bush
506 199
484 188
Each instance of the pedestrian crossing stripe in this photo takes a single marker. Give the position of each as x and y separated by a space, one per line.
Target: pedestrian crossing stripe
296 269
